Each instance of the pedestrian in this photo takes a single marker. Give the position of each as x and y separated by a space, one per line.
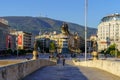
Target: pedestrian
63 61
49 57
58 60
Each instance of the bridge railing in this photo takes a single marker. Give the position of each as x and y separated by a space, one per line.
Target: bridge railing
106 65
20 70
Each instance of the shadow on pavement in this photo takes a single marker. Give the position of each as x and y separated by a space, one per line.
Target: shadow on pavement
58 72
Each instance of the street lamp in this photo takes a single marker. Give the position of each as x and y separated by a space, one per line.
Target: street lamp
116 51
43 45
86 7
17 43
116 38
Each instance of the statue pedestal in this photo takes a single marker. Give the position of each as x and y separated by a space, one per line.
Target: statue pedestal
35 55
95 55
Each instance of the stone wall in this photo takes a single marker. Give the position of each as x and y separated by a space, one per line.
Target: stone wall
109 66
9 62
20 70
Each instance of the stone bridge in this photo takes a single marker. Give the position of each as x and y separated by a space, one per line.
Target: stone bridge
70 72
18 69
48 70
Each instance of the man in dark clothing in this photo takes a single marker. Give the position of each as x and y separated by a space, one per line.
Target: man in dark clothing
63 61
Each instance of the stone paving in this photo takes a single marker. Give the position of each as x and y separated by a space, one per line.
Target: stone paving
70 72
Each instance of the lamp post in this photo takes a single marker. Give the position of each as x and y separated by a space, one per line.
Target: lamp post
115 38
17 43
115 51
117 32
86 7
43 45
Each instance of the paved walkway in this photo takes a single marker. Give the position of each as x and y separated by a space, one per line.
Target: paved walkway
70 72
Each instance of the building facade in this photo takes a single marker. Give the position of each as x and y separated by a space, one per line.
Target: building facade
5 39
23 39
109 31
61 42
65 41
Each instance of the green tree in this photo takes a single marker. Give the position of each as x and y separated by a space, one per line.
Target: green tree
52 47
111 50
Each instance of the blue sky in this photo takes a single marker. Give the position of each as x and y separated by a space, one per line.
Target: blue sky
66 10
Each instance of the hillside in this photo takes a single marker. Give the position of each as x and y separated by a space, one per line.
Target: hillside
35 24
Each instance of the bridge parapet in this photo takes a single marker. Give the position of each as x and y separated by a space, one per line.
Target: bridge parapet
19 70
109 66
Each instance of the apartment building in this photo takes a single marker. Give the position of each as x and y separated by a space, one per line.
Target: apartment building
24 40
5 40
61 41
64 41
109 31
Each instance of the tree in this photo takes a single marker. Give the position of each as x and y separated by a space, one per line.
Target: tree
111 50
52 47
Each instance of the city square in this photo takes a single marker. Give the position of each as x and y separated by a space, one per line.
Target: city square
59 40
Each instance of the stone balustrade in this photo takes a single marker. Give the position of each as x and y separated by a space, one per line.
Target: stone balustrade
19 70
109 66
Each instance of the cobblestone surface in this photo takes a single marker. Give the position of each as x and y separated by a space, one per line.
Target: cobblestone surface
70 72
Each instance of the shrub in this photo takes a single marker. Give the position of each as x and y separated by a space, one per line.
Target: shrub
21 52
15 52
9 51
29 51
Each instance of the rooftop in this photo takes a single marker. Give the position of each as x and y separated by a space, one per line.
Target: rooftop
3 25
111 17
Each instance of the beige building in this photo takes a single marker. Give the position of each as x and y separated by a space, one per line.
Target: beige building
23 40
64 41
61 41
109 31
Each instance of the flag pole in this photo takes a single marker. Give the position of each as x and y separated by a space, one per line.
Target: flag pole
86 7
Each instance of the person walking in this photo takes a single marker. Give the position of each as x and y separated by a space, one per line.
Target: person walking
58 60
63 61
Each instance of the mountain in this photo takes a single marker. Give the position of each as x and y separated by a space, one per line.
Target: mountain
35 24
